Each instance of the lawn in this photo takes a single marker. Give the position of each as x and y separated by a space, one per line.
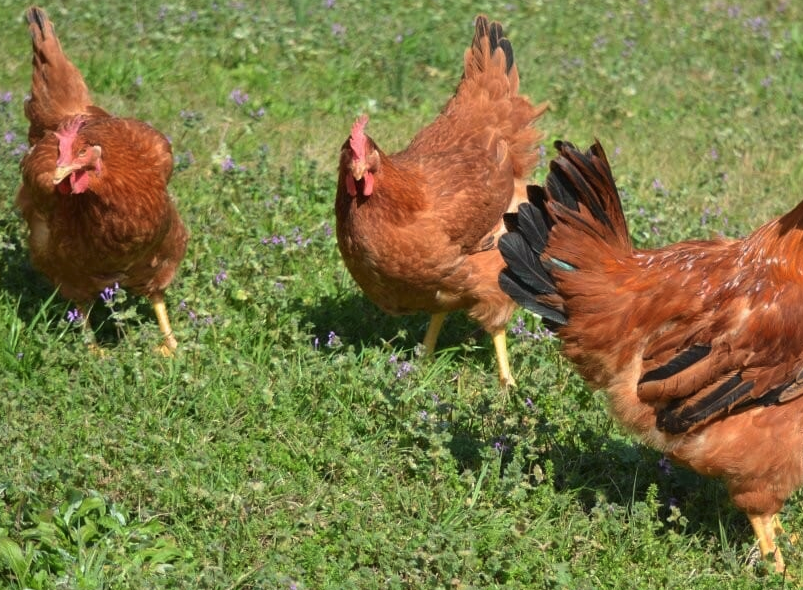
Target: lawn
298 440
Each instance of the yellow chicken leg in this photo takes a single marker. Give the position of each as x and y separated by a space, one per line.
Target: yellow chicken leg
500 344
431 337
766 527
170 344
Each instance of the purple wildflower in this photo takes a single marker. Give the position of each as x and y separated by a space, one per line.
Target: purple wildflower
20 149
6 97
259 113
107 295
665 465
279 286
423 414
332 340
500 445
75 316
766 82
239 97
221 276
403 369
714 154
758 25
9 136
228 164
338 30
658 185
330 3
529 403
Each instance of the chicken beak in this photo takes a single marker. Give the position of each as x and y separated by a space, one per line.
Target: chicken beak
61 173
358 170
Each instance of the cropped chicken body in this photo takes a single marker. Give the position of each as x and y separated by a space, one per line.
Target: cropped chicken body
418 229
94 189
699 344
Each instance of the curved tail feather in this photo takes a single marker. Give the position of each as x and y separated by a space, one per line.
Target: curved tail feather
58 90
576 214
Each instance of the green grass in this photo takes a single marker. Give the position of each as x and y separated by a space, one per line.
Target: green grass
298 440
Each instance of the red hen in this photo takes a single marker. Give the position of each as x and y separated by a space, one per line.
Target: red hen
94 189
418 229
697 343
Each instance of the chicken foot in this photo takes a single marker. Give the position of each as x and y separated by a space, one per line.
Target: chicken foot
767 527
160 309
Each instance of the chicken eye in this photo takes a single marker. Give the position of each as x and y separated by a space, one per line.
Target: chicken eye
82 152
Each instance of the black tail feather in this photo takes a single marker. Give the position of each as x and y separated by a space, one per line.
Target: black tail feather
579 190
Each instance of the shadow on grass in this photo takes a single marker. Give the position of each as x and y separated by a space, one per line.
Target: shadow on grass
356 320
32 290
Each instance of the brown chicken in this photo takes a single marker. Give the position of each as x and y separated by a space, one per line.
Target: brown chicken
418 229
697 344
94 189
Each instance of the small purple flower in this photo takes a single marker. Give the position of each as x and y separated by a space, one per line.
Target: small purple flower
338 30
327 229
259 113
617 150
20 355
665 465
279 286
107 295
6 97
403 369
330 3
75 316
500 445
658 185
221 276
765 82
529 403
239 97
138 81
20 149
435 398
332 340
714 154
423 414
9 136
228 164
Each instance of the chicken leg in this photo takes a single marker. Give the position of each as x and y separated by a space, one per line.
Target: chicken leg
500 345
434 328
766 528
160 309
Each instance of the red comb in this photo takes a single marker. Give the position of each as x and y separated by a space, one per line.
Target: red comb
357 141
